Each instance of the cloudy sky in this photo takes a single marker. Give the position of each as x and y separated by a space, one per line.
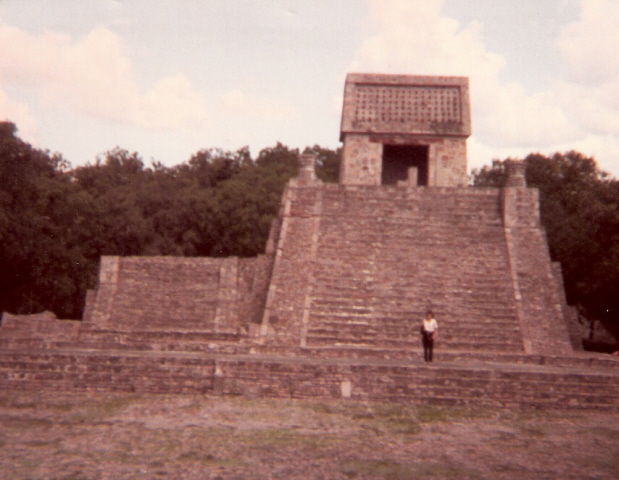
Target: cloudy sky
166 78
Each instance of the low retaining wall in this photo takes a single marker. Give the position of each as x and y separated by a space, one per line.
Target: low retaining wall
255 376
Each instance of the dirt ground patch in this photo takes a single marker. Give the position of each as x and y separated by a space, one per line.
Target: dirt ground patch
56 436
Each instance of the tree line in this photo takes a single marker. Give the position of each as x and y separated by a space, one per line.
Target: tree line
57 221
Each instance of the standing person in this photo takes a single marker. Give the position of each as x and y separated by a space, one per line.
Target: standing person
429 332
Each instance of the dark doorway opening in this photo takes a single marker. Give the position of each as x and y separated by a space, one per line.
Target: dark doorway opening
397 159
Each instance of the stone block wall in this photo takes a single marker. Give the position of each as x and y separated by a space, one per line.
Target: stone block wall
38 331
254 278
38 326
363 159
448 163
178 294
381 254
302 378
100 300
404 110
540 307
150 293
354 263
406 104
294 259
576 330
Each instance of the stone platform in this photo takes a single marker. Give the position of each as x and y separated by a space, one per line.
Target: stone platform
333 307
590 382
332 311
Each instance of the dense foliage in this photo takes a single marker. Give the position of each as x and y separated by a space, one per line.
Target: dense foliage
56 222
579 207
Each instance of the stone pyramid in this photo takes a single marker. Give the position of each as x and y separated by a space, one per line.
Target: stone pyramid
347 274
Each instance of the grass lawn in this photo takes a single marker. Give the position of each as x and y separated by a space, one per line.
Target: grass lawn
57 436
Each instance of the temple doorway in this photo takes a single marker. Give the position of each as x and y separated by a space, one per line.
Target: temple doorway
397 159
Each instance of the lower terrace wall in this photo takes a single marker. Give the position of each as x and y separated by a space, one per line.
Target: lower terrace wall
23 331
178 294
39 326
299 378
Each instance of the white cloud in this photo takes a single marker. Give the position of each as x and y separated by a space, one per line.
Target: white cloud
93 75
589 45
604 148
414 37
594 109
590 48
20 114
171 102
237 103
514 118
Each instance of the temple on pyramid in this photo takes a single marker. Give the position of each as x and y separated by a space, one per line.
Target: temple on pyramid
333 306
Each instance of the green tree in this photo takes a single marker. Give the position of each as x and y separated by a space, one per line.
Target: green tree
118 183
246 204
212 166
327 162
56 222
41 262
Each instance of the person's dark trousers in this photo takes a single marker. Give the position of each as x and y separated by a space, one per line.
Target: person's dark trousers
428 345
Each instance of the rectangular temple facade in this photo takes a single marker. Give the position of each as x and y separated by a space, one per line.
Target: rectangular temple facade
405 129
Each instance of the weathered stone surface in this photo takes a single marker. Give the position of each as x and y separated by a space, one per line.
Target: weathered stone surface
412 104
431 113
490 385
333 308
43 327
178 294
371 260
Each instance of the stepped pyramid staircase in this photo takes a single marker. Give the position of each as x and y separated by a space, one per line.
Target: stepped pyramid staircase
380 263
348 274
358 266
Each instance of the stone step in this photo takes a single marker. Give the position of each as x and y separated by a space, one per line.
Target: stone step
403 306
483 319
459 384
392 324
152 336
394 285
433 247
582 361
407 234
367 210
472 345
376 334
460 304
412 223
458 312
486 316
406 272
93 338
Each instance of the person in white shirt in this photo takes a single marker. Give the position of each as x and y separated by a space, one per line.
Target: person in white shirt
429 332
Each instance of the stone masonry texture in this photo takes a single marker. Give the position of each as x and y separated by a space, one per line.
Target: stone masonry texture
333 307
409 110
